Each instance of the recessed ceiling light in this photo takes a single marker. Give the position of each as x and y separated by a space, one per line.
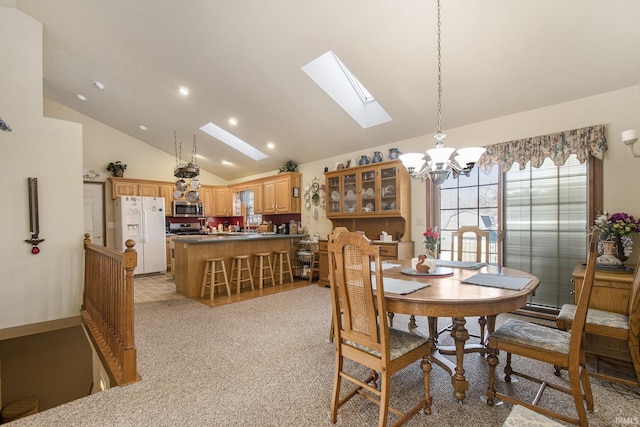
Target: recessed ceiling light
184 90
233 141
226 162
271 145
233 121
98 85
143 127
81 97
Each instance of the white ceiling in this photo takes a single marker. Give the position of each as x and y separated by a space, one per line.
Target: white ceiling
243 58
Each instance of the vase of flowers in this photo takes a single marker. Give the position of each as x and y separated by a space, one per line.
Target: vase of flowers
431 242
616 233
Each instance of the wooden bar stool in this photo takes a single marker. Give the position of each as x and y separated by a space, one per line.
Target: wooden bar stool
213 268
282 265
262 265
314 266
237 268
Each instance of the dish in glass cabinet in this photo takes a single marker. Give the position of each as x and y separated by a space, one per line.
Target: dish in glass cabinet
335 196
369 207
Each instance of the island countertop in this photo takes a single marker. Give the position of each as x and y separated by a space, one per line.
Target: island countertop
190 253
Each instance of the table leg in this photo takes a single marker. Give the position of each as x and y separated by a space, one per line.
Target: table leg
460 336
456 370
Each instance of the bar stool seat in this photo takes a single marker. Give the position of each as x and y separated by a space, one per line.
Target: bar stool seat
237 270
282 265
314 266
262 269
215 274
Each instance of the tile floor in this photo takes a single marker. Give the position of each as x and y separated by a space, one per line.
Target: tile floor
158 287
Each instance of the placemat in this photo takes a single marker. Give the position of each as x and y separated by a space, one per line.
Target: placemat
385 265
461 264
514 283
397 286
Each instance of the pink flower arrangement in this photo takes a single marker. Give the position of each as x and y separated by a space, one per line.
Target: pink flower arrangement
431 239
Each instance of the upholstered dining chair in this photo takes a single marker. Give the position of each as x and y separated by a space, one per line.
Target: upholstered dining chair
624 327
362 333
558 348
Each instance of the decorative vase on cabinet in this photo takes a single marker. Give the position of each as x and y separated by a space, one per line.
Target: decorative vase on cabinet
609 254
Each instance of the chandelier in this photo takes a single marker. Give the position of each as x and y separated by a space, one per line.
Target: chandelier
440 161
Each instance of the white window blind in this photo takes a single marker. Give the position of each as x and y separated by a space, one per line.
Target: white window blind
545 223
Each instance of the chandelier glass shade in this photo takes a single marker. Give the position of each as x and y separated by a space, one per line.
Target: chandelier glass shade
439 162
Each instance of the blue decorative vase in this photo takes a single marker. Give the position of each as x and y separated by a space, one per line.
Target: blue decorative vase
394 153
377 157
364 160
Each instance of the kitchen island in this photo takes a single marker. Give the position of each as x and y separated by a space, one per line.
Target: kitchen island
190 253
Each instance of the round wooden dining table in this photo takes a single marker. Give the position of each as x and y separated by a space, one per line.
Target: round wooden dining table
447 296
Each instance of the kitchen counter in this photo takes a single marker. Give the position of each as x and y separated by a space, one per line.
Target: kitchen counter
191 251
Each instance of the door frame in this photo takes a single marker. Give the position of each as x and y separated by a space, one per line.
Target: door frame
104 206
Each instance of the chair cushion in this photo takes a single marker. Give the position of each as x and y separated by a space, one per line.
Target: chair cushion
534 335
400 343
596 317
525 417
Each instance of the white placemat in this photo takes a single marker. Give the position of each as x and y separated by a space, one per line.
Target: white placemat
461 264
398 286
515 283
385 265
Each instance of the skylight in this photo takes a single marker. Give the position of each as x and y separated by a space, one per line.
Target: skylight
233 141
328 72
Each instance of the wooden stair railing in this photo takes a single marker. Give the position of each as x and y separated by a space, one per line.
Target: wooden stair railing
107 308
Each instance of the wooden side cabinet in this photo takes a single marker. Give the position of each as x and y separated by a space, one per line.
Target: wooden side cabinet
323 276
610 292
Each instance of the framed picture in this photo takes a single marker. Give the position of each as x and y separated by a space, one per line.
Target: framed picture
296 192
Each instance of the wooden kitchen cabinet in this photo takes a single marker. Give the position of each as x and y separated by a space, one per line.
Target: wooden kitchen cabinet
128 187
166 191
610 292
221 201
207 198
277 194
258 200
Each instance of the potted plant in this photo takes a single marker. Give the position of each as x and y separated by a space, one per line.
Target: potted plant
117 168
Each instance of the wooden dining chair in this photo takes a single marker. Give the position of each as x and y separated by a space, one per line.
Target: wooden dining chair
465 249
558 348
362 333
625 327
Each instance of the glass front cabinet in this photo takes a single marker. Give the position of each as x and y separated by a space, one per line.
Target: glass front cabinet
367 191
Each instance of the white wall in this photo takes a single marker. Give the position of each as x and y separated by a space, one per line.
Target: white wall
618 111
47 286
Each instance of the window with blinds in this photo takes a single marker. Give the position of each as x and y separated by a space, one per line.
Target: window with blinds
545 223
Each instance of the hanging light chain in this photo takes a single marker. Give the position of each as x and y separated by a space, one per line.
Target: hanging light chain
439 136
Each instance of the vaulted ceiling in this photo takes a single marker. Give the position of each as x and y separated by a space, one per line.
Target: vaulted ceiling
243 59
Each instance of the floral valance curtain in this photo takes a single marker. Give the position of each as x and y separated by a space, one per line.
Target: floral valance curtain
557 146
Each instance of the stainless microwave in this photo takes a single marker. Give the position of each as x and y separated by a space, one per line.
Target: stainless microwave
183 209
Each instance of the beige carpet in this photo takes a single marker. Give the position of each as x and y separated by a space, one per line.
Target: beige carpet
268 362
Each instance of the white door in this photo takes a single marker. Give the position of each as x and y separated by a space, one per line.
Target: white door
94 211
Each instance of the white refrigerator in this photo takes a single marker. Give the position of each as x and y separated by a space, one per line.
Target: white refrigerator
142 219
